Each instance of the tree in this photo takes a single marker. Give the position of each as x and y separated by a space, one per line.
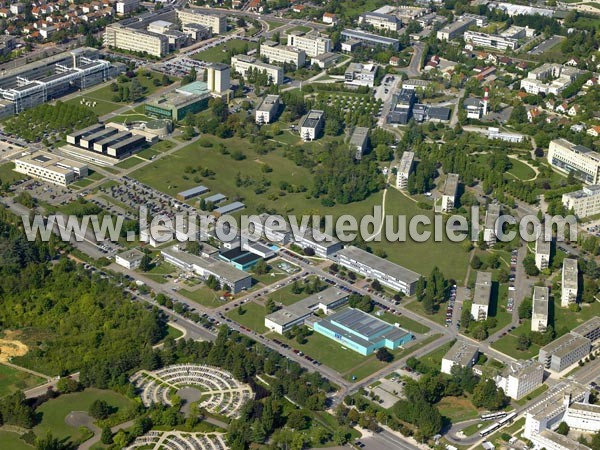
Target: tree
261 267
563 429
297 420
525 308
384 355
529 265
49 442
66 385
146 263
99 409
524 342
487 395
107 436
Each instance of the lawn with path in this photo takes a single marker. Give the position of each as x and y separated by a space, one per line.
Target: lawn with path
12 380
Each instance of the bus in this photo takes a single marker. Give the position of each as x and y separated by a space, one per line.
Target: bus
493 427
508 419
492 416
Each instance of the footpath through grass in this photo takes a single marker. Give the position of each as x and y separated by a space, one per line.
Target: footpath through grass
12 380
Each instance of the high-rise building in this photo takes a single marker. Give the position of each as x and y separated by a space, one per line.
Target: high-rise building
312 45
578 159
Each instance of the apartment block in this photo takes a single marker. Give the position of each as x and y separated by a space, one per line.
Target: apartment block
540 311
381 21
268 109
481 296
312 124
312 45
569 286
569 157
449 192
323 244
456 28
583 203
404 168
564 352
216 22
462 354
243 64
589 330
520 378
549 78
507 40
542 250
131 39
490 231
274 52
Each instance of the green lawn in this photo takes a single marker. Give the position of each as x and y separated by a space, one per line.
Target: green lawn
220 54
204 296
508 345
539 391
404 322
300 28
433 359
12 441
12 380
54 412
253 316
521 170
438 316
457 409
285 295
8 175
273 24
130 162
174 332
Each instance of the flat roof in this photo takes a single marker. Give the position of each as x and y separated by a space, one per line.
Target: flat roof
587 327
569 273
382 265
194 88
406 162
115 138
362 35
483 288
359 136
215 198
306 306
269 103
231 207
450 185
318 237
540 301
542 246
131 255
51 161
312 118
193 191
587 407
565 344
221 268
461 352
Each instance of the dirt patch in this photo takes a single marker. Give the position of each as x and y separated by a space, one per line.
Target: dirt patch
10 348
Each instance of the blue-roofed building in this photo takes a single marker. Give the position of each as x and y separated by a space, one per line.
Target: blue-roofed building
362 332
193 192
229 208
240 259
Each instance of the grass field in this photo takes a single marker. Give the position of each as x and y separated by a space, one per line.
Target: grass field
457 409
219 53
273 24
404 322
8 175
204 296
12 380
300 28
253 317
438 316
12 441
520 170
508 345
130 162
433 359
54 411
285 295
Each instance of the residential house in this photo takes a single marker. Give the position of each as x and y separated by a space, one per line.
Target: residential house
594 131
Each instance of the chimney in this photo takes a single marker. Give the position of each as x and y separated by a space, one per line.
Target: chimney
485 101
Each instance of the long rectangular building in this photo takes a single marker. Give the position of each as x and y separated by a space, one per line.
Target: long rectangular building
461 354
589 330
540 311
449 192
131 39
216 22
295 314
481 296
323 244
274 52
243 63
370 39
371 266
578 159
404 168
564 352
51 168
226 274
569 285
381 21
361 332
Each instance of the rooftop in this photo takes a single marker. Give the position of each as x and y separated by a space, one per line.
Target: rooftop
542 245
569 274
563 441
311 120
197 190
221 268
483 288
306 306
450 185
565 344
379 264
131 255
587 327
359 136
406 162
540 301
461 352
51 161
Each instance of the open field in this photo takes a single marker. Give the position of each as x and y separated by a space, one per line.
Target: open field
433 359
130 162
12 441
253 316
457 409
404 322
12 380
219 53
520 170
54 412
8 175
285 295
204 296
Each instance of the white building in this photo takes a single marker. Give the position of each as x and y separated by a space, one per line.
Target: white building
274 52
542 250
310 44
218 78
126 6
216 22
381 21
569 282
495 133
131 39
272 227
507 40
449 192
358 74
569 157
583 417
583 203
462 354
520 378
540 311
481 296
243 63
359 141
268 109
458 27
50 168
371 266
404 169
129 259
323 244
564 351
549 78
490 232
311 125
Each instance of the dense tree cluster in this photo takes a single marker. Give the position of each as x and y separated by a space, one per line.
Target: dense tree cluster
432 291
